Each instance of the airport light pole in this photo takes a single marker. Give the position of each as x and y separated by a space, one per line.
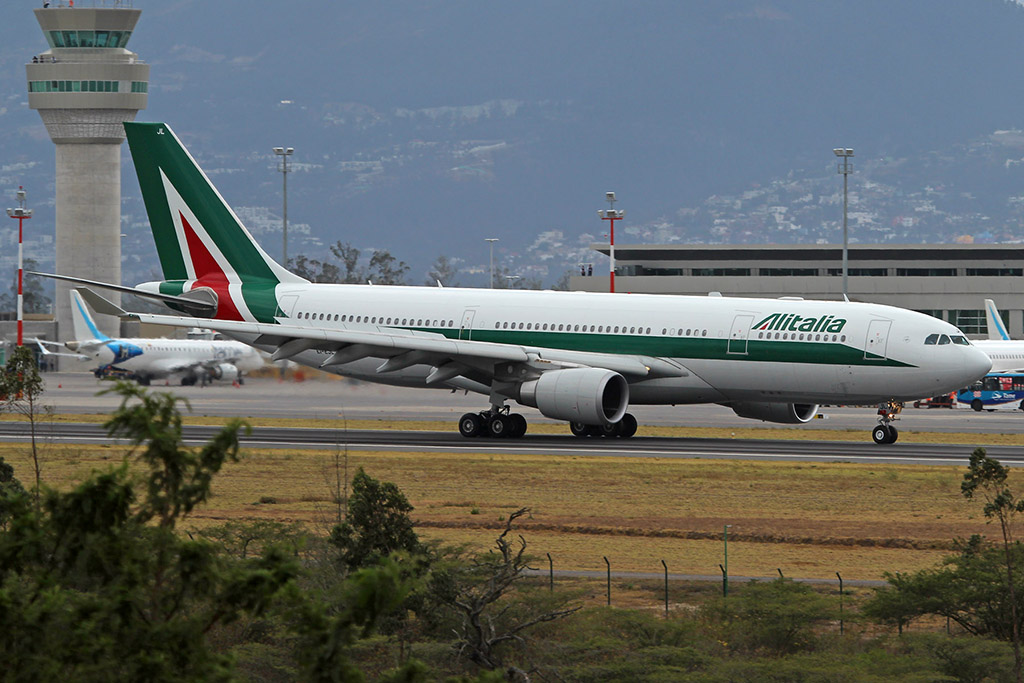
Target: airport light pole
611 215
284 153
21 214
846 168
491 241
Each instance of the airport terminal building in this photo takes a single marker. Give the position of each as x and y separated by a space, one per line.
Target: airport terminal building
948 281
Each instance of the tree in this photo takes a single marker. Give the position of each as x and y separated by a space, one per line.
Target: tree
21 387
10 490
385 269
986 478
349 256
89 586
377 524
473 591
444 271
313 270
778 616
34 298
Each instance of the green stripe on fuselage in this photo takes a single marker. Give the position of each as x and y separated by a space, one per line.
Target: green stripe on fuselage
817 353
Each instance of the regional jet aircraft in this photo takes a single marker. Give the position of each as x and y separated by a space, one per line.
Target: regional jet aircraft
575 356
1006 354
144 360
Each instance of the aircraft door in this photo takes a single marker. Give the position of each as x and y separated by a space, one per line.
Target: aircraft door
877 340
739 334
466 326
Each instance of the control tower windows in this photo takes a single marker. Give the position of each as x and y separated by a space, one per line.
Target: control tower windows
86 86
88 38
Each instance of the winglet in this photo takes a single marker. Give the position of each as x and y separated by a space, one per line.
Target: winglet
996 328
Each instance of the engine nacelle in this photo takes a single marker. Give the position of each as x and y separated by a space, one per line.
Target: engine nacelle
224 371
785 413
589 395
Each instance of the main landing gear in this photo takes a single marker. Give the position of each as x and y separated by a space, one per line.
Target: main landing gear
623 429
497 422
884 432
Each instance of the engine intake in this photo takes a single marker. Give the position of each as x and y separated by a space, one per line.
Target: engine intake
785 413
589 395
225 371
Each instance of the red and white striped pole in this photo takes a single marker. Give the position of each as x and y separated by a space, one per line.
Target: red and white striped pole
22 214
611 215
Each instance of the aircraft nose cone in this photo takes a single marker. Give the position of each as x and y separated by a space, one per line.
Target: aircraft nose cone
977 364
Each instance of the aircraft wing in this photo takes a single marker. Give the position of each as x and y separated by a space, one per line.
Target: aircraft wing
400 348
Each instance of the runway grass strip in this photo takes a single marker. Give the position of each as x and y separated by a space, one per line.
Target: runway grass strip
808 519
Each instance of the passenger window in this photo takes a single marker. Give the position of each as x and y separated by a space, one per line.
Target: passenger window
617 329
943 340
704 333
632 330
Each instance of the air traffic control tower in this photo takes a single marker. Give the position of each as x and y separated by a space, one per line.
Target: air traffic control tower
85 87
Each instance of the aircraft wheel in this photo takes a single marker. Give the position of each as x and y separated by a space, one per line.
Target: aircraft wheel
471 425
518 425
976 405
500 426
880 434
610 431
627 426
893 434
143 381
581 430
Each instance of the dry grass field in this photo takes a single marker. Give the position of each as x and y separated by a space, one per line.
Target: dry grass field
809 520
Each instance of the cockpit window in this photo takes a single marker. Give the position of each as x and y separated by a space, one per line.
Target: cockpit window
959 340
943 339
932 340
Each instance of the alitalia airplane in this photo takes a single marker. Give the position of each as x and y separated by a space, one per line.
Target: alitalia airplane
579 357
144 360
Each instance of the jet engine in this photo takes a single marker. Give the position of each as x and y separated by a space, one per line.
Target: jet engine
224 371
589 395
786 413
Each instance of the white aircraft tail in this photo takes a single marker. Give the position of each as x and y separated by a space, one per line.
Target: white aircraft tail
85 326
996 328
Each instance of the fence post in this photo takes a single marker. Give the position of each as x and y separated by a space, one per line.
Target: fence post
725 582
609 565
779 570
840 603
551 573
666 587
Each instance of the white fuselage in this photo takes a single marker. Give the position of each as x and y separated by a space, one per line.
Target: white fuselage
1006 354
159 357
729 349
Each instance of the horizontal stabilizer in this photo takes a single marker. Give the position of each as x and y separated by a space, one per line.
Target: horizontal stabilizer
192 304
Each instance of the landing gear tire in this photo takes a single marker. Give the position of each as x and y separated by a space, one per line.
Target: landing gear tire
500 426
518 425
610 431
627 426
143 381
471 425
976 405
884 434
581 430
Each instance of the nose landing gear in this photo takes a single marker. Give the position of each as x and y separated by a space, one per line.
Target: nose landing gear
884 432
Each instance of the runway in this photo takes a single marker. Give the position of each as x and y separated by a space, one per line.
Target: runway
337 402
